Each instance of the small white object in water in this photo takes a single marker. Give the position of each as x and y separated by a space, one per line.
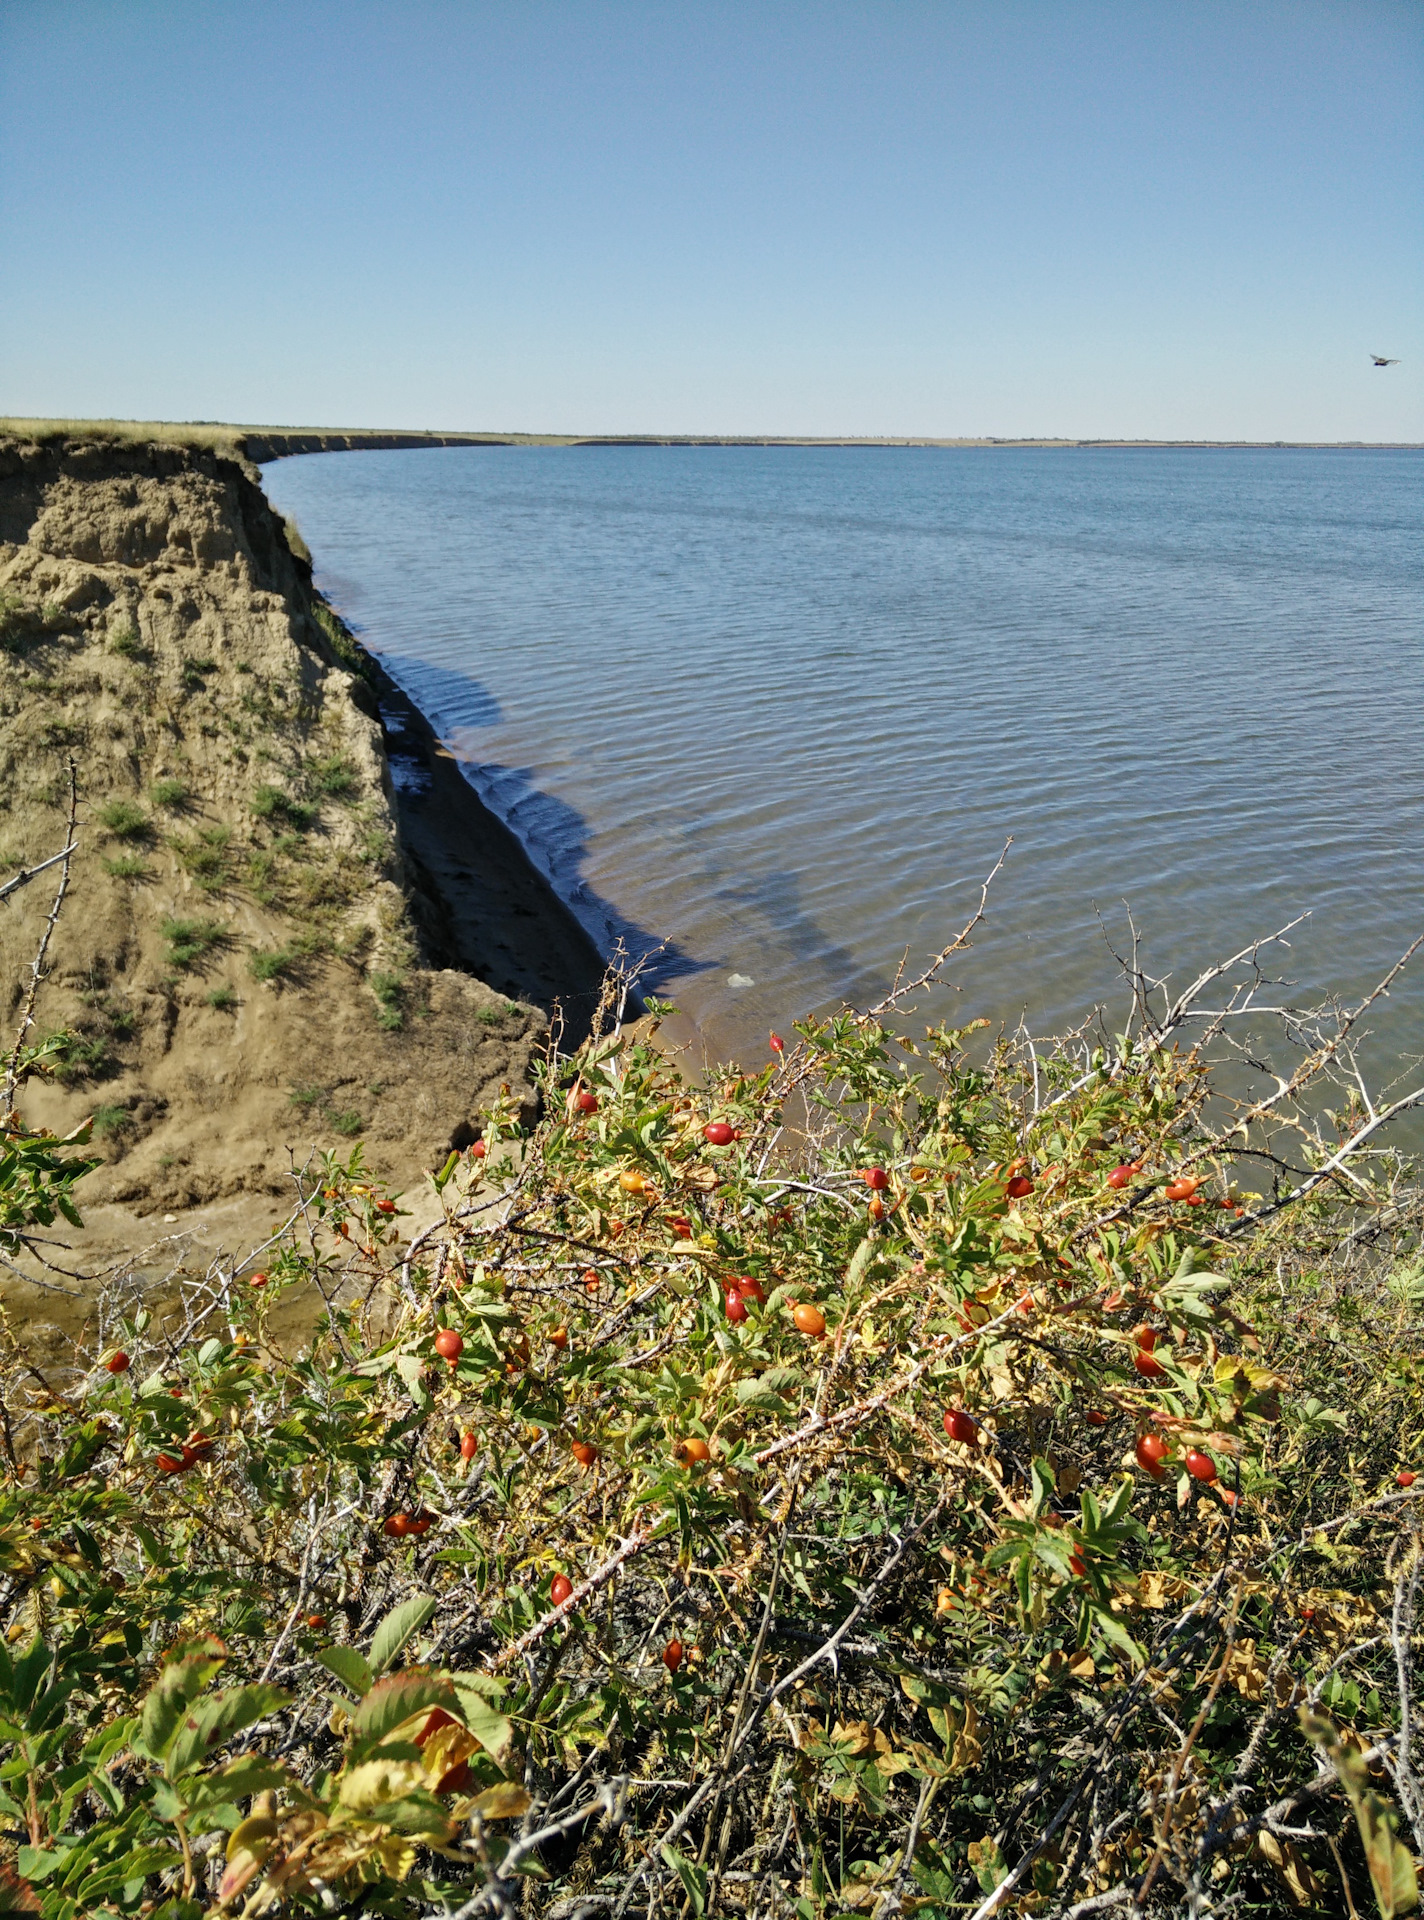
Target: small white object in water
740 980
169 1219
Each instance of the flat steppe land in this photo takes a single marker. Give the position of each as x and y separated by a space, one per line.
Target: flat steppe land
259 444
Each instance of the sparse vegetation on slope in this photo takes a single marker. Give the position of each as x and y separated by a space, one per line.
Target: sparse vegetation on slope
236 836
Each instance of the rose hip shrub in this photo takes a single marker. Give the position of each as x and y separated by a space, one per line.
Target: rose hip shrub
685 1522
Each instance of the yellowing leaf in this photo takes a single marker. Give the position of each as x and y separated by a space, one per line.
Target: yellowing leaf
242 1868
1391 1864
506 1800
1300 1883
375 1783
445 1752
967 1750
1245 1671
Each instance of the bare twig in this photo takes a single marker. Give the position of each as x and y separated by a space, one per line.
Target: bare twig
37 965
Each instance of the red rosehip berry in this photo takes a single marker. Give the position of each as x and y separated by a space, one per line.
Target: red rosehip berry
1151 1452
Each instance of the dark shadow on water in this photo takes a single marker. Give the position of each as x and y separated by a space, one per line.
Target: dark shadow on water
553 834
446 698
827 973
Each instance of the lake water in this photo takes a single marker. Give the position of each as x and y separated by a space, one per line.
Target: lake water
782 707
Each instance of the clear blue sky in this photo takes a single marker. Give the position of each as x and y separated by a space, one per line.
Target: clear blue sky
1076 217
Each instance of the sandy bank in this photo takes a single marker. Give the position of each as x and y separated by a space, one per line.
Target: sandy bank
270 945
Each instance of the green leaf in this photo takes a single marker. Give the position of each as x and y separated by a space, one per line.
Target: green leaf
859 1261
751 1393
1112 1630
1120 1502
1045 1485
184 1674
397 1628
350 1666
38 1863
411 1369
252 1773
945 1722
27 1673
214 1722
693 1878
399 1696
493 1731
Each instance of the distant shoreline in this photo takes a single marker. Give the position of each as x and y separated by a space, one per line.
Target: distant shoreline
261 444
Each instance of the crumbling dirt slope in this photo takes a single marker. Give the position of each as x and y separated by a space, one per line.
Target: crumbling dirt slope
240 958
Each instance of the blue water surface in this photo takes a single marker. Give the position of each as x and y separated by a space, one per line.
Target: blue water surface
782 707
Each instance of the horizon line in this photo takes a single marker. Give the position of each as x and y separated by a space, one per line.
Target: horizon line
356 438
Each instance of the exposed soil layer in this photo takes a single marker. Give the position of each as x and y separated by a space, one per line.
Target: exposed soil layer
268 946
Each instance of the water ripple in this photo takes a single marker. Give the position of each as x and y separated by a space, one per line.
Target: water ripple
784 706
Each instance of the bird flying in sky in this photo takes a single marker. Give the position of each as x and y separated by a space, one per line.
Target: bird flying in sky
1380 360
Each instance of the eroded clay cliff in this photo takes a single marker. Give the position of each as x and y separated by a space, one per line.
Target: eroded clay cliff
244 956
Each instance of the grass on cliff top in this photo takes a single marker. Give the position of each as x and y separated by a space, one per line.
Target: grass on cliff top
229 437
185 433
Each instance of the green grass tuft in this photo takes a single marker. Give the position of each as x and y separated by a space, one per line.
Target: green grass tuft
191 941
124 820
389 989
168 793
271 803
335 777
273 963
207 856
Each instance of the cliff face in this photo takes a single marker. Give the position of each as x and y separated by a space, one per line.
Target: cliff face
246 952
